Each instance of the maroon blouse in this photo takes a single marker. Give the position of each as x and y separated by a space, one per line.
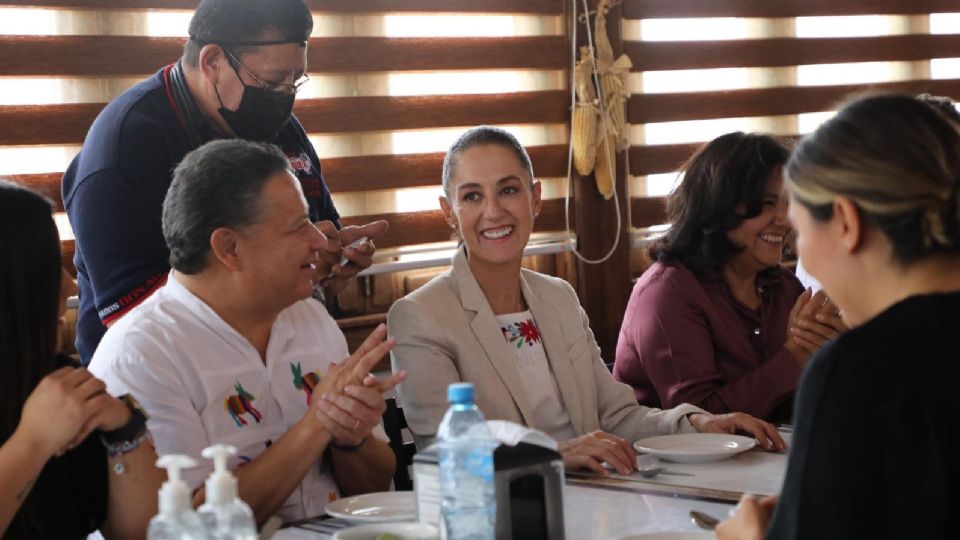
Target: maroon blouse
686 339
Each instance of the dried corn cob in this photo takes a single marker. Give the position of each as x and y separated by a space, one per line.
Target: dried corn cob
606 169
584 138
584 126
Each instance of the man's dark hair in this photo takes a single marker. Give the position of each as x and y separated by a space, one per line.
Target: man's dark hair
216 185
723 184
29 298
238 25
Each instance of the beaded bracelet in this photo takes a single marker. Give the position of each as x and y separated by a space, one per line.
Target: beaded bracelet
119 449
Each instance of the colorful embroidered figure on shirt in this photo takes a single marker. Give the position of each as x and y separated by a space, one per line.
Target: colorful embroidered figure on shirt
240 404
305 382
522 332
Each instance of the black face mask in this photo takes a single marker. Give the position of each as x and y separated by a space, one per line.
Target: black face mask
261 114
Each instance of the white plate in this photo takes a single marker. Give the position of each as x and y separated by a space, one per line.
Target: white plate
695 447
376 507
699 535
403 531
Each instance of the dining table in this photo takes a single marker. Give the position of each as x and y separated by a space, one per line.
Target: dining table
612 506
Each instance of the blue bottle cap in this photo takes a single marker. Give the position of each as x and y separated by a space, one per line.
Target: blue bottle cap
460 393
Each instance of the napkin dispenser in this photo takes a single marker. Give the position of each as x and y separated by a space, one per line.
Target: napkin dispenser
529 490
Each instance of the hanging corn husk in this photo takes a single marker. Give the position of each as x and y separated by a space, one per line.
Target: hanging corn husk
599 133
606 168
613 79
585 113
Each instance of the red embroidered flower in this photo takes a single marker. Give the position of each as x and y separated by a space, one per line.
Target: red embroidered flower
528 329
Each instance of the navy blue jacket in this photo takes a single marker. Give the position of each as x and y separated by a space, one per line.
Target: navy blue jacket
113 192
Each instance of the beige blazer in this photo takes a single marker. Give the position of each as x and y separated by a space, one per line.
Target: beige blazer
446 332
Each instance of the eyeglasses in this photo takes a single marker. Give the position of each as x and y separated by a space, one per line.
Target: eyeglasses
269 86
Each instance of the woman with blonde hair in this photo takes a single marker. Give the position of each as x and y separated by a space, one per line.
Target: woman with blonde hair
519 336
875 446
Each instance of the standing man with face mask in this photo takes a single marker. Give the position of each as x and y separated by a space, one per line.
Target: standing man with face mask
237 78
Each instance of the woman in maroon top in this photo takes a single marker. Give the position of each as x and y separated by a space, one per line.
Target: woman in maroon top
708 322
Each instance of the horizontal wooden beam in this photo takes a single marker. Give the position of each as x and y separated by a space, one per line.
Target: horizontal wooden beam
539 7
84 56
776 52
69 56
409 228
46 124
648 211
646 108
661 9
358 173
659 158
368 173
47 184
358 114
375 54
68 123
667 158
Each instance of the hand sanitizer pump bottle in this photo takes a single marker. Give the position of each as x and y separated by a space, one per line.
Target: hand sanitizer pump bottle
224 515
177 520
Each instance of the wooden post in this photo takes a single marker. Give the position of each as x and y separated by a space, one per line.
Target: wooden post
603 288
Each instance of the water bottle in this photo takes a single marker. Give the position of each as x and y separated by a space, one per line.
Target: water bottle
177 520
469 504
224 515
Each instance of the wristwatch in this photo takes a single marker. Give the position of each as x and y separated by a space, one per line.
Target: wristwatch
127 437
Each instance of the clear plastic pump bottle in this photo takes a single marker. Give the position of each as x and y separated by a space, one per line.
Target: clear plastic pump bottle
177 519
224 515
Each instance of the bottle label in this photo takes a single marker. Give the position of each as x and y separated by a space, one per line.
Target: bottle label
480 463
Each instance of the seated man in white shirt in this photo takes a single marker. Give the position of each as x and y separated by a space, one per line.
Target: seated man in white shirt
232 349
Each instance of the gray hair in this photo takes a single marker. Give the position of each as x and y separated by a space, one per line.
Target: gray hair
216 185
480 136
898 160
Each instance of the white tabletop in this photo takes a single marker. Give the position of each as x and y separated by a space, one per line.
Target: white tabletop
603 513
758 472
590 513
604 508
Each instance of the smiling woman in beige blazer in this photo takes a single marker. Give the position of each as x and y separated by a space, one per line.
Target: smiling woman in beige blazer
519 336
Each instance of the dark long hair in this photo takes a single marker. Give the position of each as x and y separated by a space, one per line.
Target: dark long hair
29 297
723 184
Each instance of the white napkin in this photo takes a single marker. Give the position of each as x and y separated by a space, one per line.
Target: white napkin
511 433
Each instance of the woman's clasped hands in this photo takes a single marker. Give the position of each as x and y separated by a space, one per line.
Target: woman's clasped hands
814 320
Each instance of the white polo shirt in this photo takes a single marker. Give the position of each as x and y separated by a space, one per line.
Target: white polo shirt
202 383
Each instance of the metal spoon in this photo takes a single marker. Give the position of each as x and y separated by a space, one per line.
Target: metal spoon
654 471
650 473
704 521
